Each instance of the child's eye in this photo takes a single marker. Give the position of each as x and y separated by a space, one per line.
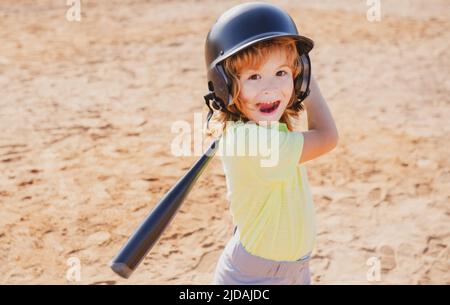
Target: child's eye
280 73
254 77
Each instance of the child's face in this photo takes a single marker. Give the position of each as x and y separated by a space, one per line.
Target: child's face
266 92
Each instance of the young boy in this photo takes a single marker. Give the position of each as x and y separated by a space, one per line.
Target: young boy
259 73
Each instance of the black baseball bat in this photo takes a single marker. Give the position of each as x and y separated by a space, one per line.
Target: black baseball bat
148 233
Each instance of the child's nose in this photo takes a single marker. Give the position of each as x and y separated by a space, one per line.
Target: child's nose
270 83
269 87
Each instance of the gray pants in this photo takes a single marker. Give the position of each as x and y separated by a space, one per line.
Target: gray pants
236 266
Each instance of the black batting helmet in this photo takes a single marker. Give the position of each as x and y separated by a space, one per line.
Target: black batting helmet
239 28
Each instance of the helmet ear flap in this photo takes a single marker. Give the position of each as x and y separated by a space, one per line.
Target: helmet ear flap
226 87
219 86
219 96
303 80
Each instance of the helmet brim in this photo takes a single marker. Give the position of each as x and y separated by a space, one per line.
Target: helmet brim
304 45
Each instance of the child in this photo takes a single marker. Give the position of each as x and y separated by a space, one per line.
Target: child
258 75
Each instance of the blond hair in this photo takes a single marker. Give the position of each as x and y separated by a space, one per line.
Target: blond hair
253 57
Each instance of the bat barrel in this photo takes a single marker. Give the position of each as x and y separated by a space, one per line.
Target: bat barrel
148 233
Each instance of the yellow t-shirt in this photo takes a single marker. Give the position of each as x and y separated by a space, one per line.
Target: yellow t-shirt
271 202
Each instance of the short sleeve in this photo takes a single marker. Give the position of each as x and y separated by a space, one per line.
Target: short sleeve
283 160
270 154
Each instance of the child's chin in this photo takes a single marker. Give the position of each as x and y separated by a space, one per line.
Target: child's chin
268 119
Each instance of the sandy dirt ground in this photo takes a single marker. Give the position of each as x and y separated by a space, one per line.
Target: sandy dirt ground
86 113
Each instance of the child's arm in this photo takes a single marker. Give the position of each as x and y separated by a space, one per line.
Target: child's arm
322 135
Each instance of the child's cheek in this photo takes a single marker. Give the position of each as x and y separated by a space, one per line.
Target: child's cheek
287 85
249 91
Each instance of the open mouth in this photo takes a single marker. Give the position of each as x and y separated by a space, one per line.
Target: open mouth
268 108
